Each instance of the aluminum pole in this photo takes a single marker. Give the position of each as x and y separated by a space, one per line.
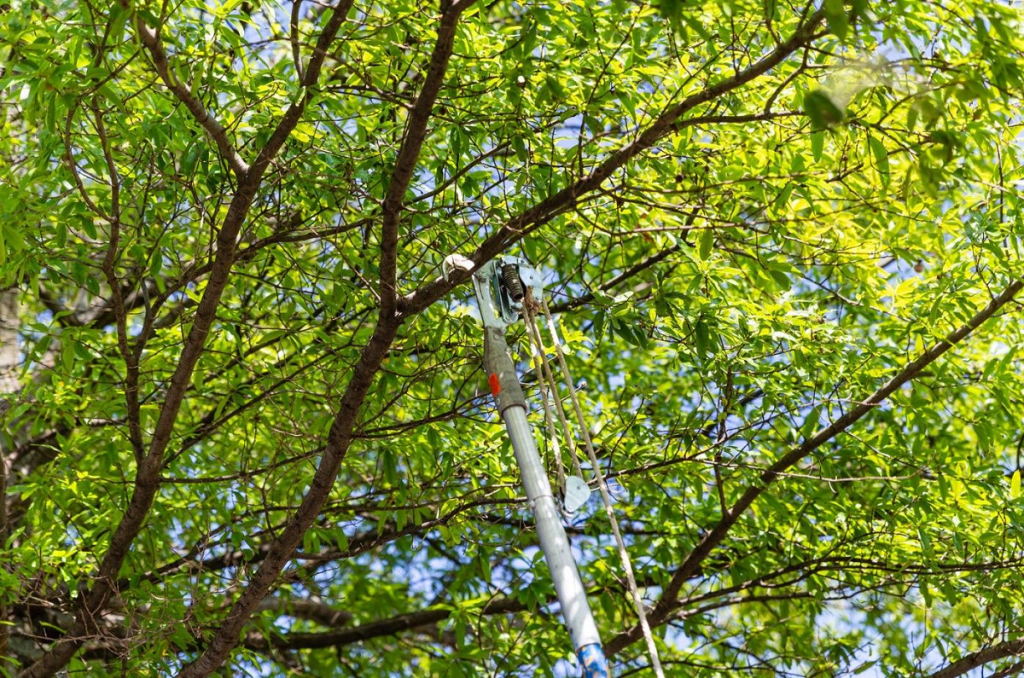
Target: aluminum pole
572 596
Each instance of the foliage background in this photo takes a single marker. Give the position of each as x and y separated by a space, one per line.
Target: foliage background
246 429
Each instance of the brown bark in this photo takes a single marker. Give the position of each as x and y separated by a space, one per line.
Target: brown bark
147 479
340 436
972 661
663 610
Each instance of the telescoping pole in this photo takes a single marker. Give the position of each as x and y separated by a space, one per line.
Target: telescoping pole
511 403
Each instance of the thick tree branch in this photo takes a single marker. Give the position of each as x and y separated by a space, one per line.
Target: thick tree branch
409 152
340 436
1011 648
669 121
280 551
147 479
716 535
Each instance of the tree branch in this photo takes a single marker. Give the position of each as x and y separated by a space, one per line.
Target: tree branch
147 479
1011 670
633 270
716 535
311 610
565 199
151 40
408 153
1011 648
340 436
131 380
377 629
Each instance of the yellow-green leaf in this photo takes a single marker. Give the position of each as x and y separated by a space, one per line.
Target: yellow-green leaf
707 241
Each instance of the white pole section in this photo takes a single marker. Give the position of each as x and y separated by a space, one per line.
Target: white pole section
504 383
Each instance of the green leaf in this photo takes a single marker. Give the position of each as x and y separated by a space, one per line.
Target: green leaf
817 144
911 117
599 321
822 111
707 241
926 544
881 158
1015 485
672 12
695 25
702 337
67 356
836 18
390 463
810 424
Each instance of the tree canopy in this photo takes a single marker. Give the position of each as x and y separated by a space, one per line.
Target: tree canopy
245 426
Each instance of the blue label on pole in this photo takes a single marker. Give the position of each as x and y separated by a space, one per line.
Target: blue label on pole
593 662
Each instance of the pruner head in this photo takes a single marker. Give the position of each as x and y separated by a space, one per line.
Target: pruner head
501 285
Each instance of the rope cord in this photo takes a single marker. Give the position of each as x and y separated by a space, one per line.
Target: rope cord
534 329
606 497
540 365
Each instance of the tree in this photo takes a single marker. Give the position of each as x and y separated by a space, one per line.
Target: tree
246 429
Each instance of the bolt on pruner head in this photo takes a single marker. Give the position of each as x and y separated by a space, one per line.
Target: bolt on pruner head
502 286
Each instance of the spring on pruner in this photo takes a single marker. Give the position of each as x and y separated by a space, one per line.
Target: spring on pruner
513 284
